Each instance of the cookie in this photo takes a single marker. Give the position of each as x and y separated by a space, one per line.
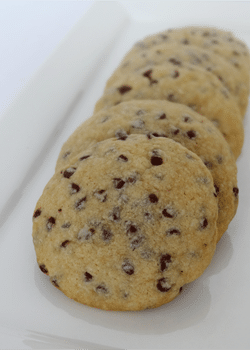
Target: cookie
190 86
123 234
215 40
164 119
179 55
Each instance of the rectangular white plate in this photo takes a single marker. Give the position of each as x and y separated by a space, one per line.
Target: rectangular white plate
212 312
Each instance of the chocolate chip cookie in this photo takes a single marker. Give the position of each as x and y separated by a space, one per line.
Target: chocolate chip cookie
127 223
179 55
214 40
169 120
191 86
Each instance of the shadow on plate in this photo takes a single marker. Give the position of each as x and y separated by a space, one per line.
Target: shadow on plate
190 308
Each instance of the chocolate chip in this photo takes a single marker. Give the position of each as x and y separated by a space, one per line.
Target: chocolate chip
163 116
79 205
69 172
203 223
163 285
43 268
185 41
191 134
66 225
208 164
50 223
121 135
131 228
136 241
175 61
165 260
132 179
236 191
65 243
187 119
149 135
205 34
123 158
106 234
74 188
101 289
101 195
37 213
153 81
180 290
85 233
156 161
128 268
115 214
155 134
124 89
153 198
168 213
66 154
87 277
171 97
148 73
173 231
84 157
54 282
214 41
118 183
176 131
175 74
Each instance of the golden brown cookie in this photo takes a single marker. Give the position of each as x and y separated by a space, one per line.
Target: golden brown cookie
215 40
179 55
164 119
126 227
191 86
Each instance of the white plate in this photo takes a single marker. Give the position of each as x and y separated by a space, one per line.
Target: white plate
212 312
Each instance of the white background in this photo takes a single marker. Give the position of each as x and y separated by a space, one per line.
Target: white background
31 30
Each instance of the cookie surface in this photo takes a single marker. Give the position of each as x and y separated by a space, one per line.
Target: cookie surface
171 120
215 40
179 55
192 86
123 234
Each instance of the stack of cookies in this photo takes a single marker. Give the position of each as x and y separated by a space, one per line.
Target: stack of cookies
145 188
